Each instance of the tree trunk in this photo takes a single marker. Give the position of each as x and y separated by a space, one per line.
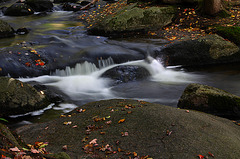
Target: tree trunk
212 7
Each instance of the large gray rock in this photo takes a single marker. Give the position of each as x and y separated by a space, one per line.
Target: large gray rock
148 129
132 18
5 30
210 100
17 97
211 49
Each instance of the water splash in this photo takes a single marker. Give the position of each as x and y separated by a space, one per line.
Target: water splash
84 81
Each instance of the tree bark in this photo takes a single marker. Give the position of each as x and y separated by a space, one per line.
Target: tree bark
212 7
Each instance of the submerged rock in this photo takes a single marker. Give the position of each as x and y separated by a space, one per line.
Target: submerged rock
118 127
211 49
132 18
5 30
210 100
17 97
19 9
124 74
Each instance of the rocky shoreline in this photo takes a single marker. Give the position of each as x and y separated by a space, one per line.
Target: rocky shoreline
121 128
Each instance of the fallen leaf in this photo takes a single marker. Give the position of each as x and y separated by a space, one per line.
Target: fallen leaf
15 149
94 141
210 154
200 156
108 122
121 121
34 151
64 148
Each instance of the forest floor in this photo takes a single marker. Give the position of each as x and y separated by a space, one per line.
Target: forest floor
189 23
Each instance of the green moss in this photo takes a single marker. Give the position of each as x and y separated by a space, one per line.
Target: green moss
230 33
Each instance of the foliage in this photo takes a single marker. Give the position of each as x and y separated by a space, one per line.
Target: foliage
231 33
2 119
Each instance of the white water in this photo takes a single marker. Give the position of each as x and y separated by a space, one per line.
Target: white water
84 81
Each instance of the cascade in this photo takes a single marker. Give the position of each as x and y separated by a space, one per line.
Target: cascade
85 68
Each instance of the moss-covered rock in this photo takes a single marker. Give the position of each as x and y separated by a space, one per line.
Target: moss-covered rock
7 140
17 97
5 30
207 50
211 100
230 33
124 128
132 18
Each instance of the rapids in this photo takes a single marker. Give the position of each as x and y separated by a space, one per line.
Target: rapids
81 59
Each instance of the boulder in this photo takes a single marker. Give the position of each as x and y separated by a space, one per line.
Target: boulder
124 128
7 140
19 9
124 74
10 141
132 19
207 50
5 30
210 100
17 97
40 5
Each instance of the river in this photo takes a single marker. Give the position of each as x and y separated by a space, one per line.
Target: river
60 34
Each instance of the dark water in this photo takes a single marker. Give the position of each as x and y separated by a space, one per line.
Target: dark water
62 36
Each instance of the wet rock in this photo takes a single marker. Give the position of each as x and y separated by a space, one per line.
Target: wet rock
22 31
5 30
151 128
210 100
71 7
7 140
19 9
17 97
65 1
211 49
40 5
132 18
124 74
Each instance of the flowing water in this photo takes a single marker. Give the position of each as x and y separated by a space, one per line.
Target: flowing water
61 35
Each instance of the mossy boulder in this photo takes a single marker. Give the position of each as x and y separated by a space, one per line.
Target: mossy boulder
132 18
5 30
19 9
210 100
9 139
17 97
207 50
127 128
230 33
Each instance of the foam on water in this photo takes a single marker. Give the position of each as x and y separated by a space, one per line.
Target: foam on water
84 81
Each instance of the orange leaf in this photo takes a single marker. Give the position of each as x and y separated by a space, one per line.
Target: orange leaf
210 154
121 121
200 156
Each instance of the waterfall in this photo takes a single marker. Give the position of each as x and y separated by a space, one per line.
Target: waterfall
85 68
84 81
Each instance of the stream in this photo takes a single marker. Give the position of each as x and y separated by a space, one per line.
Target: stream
61 35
